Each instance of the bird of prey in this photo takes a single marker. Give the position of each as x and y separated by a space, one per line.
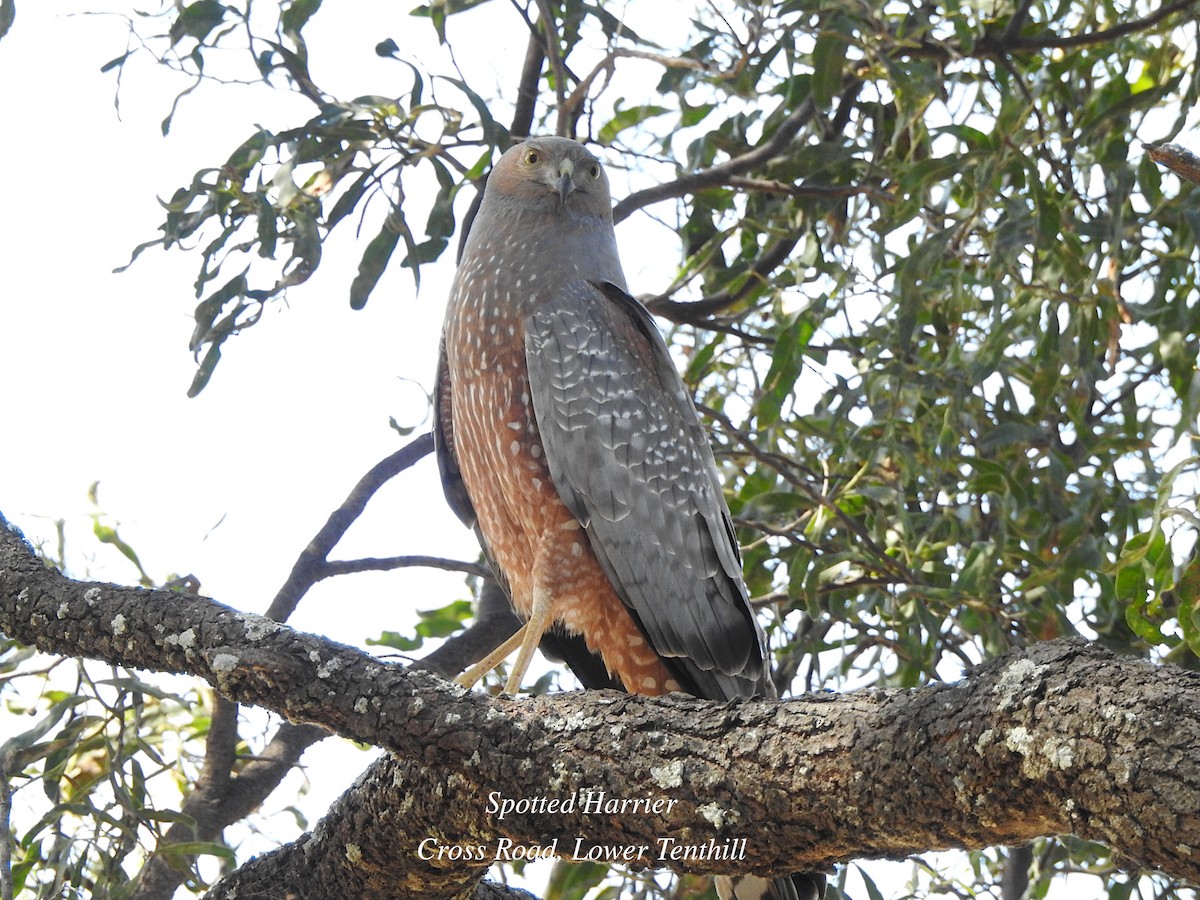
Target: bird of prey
566 438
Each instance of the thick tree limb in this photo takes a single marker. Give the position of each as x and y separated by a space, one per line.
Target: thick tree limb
220 798
527 88
1062 737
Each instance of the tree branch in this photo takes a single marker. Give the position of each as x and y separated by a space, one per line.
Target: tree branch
389 563
1025 748
307 570
1179 159
557 68
696 312
221 797
527 88
1010 42
1062 737
720 174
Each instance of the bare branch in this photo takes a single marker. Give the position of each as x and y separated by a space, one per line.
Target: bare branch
1017 21
387 564
824 191
697 312
219 798
527 88
605 67
308 568
1009 42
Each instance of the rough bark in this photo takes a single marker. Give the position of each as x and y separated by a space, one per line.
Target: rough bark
1061 737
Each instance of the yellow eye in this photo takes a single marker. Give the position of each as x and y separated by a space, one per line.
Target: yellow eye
594 171
531 158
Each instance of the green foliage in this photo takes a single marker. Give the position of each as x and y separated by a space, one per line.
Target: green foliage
263 216
108 534
110 757
435 623
938 305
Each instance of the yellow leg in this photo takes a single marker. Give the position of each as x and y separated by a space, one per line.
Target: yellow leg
539 621
471 676
527 638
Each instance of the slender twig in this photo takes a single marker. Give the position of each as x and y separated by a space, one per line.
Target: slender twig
1008 43
387 564
719 174
6 834
606 65
834 191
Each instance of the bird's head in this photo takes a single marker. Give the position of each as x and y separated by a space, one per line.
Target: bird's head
552 172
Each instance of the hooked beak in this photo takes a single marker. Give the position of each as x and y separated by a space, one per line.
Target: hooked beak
566 180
